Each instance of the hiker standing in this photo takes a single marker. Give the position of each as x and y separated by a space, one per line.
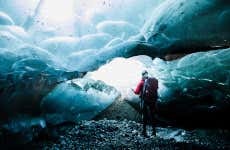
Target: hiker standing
147 90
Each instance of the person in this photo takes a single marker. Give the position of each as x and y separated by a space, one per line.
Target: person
147 103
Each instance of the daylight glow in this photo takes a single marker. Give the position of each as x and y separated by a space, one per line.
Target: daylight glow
58 11
121 73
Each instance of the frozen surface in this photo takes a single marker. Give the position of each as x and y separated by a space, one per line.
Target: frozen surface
119 29
7 58
113 42
17 31
94 41
5 19
60 45
186 24
64 46
41 48
8 40
186 89
80 99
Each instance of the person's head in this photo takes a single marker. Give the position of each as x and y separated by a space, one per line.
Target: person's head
144 74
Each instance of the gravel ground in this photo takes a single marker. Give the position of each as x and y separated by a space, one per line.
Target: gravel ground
112 134
122 130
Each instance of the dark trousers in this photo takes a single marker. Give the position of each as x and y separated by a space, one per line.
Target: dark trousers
148 115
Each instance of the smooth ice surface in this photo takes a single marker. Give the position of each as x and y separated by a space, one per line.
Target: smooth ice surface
8 40
5 19
113 42
17 31
80 99
189 24
60 45
119 29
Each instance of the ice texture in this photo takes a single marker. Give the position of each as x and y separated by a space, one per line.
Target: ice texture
114 42
17 31
39 54
8 40
189 24
80 99
195 87
5 19
119 29
60 45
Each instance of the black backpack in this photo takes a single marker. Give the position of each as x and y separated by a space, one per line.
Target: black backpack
149 93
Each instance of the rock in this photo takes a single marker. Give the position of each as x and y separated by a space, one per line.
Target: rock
90 135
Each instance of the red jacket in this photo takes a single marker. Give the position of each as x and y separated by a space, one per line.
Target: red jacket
139 87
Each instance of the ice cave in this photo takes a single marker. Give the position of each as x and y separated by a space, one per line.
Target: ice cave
65 61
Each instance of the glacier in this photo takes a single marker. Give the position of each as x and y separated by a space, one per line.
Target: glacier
80 99
187 92
5 19
73 67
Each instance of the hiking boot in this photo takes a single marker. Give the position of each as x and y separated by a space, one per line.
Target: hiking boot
144 133
154 132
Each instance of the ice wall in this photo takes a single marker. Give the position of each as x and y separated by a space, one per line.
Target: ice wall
189 24
80 99
195 87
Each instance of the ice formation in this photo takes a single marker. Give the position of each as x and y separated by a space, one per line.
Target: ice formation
5 19
80 99
40 51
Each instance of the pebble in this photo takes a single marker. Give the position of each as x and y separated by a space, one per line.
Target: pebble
112 134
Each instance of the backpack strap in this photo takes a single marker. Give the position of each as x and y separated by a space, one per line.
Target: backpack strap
143 89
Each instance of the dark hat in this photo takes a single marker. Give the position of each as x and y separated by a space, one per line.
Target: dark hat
144 72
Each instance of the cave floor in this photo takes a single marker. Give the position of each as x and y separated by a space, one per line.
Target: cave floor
113 134
116 129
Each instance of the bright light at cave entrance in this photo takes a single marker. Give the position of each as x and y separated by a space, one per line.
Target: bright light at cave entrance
58 11
124 74
121 73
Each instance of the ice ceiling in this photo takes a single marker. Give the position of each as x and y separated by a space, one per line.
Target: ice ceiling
76 17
